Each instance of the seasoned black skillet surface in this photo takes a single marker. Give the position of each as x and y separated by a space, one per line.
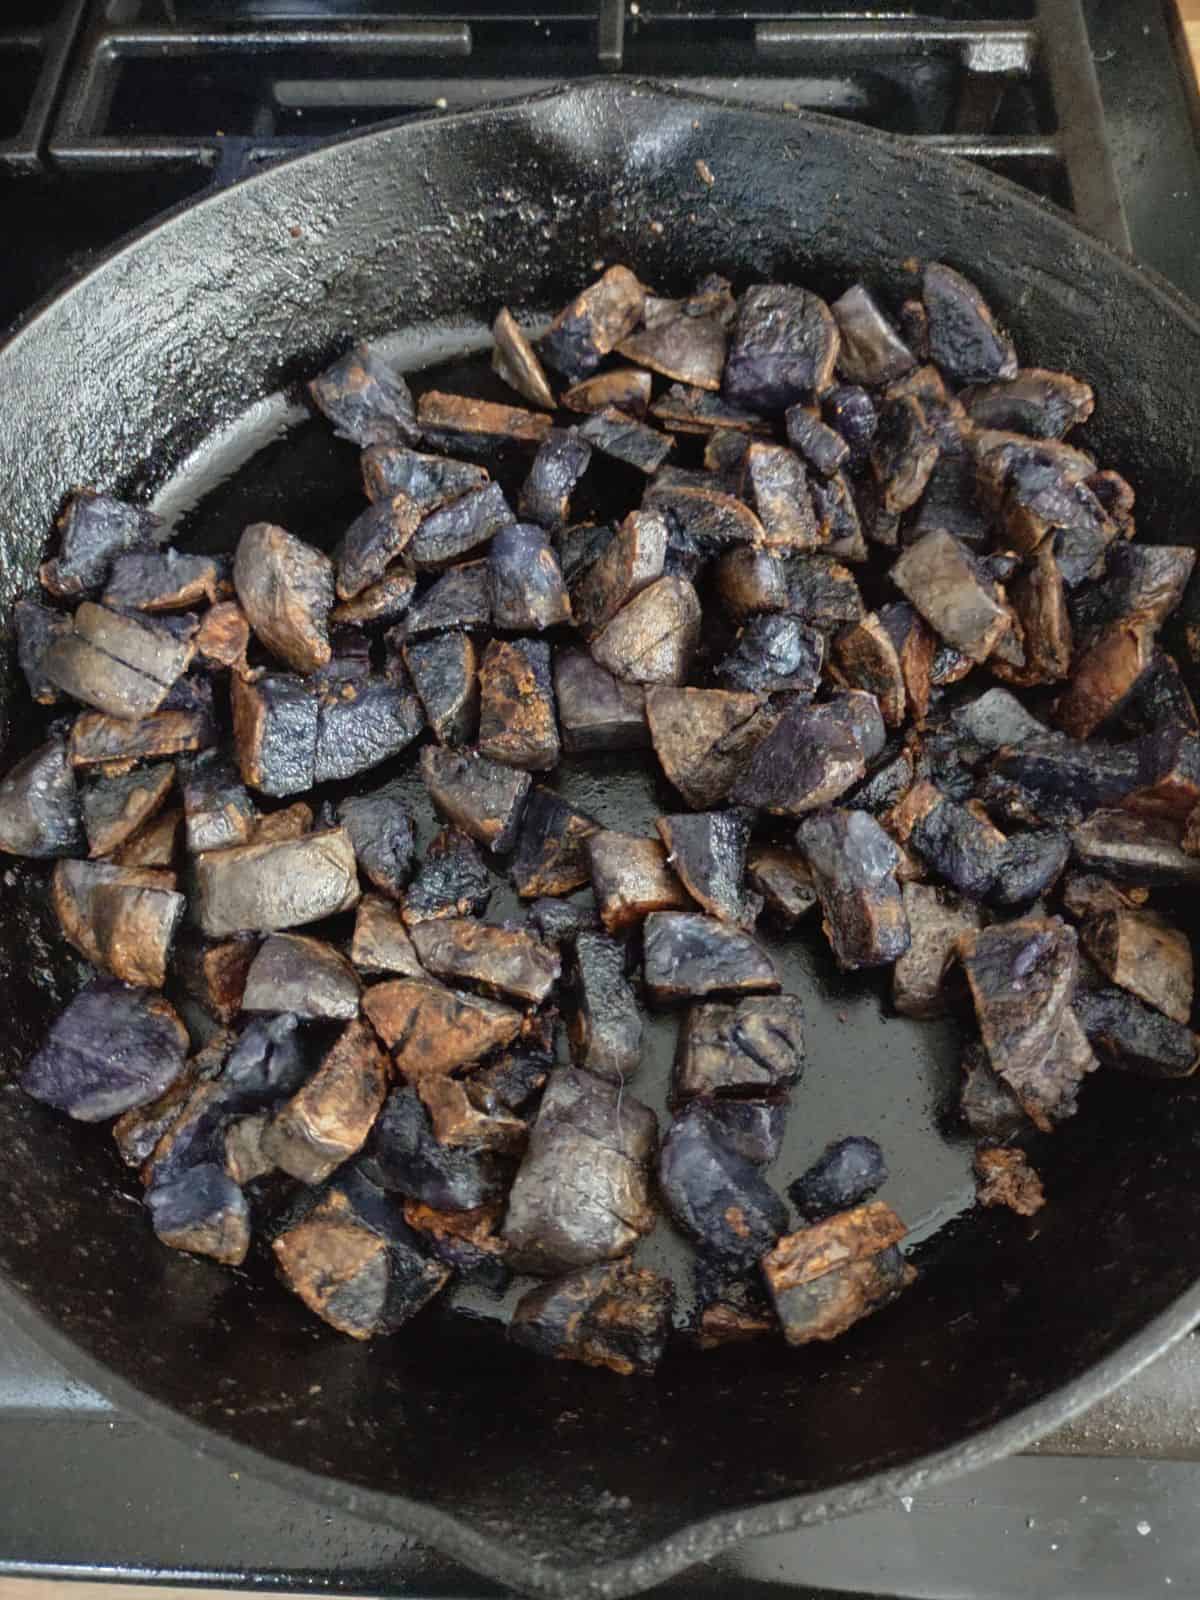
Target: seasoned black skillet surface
152 378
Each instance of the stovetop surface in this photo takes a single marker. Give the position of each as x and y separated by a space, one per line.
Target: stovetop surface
112 111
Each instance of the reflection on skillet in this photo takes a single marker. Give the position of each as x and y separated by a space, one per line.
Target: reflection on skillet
787 674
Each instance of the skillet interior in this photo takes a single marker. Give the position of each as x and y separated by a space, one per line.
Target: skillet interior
546 1476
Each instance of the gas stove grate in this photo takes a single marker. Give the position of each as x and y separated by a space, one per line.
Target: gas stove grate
222 87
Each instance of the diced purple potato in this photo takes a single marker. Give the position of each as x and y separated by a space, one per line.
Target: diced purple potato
597 711
551 855
460 598
846 1173
483 797
582 1193
1022 978
783 348
605 1025
508 962
562 459
163 580
754 1047
616 1316
303 976
452 881
36 627
203 1212
429 481
375 539
593 324
380 828
217 810
459 528
708 853
364 726
773 655
688 956
402 1156
515 361
714 1195
812 756
355 1263
267 887
113 1048
286 589
518 722
366 399
93 529
853 863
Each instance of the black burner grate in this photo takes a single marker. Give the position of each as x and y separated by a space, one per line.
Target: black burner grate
173 84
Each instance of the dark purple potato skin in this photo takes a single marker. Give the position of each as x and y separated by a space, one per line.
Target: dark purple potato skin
403 1157
717 1197
366 400
781 348
381 830
113 1048
201 1198
689 955
845 1174
1132 1036
452 880
1033 863
561 460
775 653
753 1129
355 735
527 588
95 528
40 814
461 598
267 1063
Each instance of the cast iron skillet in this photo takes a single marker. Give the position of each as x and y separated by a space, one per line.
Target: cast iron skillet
548 1477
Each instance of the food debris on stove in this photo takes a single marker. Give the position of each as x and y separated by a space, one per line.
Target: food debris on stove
781 604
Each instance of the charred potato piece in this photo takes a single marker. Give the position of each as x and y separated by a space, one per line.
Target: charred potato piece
527 587
853 863
616 1316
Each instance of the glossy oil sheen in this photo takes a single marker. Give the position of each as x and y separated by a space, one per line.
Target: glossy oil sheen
551 1477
